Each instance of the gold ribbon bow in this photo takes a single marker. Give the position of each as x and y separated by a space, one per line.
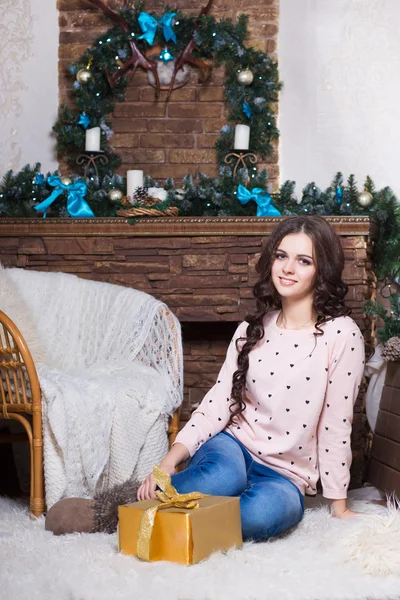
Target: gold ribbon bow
168 497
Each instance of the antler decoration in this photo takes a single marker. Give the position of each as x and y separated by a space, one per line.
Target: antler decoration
137 59
186 55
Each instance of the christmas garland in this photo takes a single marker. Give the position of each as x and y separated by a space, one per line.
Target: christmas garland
217 43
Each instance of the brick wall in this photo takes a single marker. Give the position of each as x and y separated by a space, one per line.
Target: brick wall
178 138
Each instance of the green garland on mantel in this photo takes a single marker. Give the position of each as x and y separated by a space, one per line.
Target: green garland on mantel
223 43
19 193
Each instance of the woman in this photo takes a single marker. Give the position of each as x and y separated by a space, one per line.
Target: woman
279 416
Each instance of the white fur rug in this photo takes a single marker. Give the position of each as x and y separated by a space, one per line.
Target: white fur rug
322 559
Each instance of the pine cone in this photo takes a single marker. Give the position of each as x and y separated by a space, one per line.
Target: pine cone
391 349
140 195
126 201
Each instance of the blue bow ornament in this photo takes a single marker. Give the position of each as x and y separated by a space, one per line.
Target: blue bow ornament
76 205
148 24
265 208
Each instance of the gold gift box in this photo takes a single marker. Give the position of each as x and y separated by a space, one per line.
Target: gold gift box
181 535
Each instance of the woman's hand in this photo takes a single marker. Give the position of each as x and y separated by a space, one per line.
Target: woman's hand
148 488
178 454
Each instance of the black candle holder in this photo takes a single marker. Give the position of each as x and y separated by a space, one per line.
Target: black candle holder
88 161
240 156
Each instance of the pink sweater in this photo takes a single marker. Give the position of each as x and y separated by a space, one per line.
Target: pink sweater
299 403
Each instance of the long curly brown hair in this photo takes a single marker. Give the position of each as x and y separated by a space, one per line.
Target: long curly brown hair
329 291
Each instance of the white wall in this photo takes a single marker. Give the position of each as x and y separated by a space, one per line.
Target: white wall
28 82
340 106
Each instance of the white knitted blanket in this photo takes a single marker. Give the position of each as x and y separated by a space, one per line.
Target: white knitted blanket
111 374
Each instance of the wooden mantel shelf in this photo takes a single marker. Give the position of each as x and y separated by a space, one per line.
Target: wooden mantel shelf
171 227
202 267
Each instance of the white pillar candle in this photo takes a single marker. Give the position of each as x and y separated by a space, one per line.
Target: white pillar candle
92 141
134 180
242 137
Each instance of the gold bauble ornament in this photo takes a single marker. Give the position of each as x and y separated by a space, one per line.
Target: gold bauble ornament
83 75
115 196
365 199
66 180
245 77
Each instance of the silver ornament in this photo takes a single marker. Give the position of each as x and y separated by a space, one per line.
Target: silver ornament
115 196
245 77
66 180
83 75
365 199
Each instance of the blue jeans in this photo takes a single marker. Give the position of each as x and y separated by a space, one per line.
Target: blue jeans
269 502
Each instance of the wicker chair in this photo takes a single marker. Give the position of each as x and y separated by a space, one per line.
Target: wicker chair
20 399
